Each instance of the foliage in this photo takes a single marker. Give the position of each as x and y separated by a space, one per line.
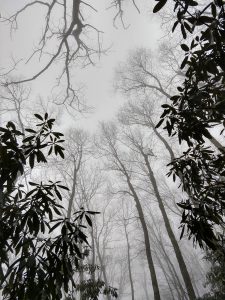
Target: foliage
216 275
91 289
39 248
198 108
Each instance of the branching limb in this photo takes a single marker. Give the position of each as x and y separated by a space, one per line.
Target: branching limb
67 50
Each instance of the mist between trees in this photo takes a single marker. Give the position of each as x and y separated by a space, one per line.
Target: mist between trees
135 208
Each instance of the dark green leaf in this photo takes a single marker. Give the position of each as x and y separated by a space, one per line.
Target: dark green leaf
55 226
159 5
183 31
39 117
184 47
159 123
30 130
31 160
29 138
184 62
88 220
174 26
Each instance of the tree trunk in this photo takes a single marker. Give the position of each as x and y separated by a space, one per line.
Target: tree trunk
172 157
81 275
93 255
177 284
176 280
69 211
102 268
145 285
146 239
180 259
165 275
129 263
164 141
122 169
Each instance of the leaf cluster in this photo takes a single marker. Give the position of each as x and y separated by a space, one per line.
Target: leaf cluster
39 247
91 289
194 111
215 276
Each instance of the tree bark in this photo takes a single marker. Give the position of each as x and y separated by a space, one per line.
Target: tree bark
164 141
69 211
179 256
176 280
119 166
102 268
93 254
145 285
146 239
165 275
129 262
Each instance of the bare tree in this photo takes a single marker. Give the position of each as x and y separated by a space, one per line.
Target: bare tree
102 235
129 259
110 149
14 102
141 76
138 143
124 220
164 255
68 36
145 113
137 75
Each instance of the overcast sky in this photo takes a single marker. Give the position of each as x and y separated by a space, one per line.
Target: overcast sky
143 31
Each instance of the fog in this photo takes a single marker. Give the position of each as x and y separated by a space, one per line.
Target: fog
107 102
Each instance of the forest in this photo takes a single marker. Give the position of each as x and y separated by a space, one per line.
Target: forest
112 156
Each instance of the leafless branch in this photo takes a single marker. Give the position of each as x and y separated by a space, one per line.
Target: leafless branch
68 50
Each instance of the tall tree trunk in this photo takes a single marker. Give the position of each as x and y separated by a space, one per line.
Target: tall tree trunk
69 212
175 278
146 239
81 275
129 262
145 285
165 275
93 255
72 195
102 267
177 283
172 157
179 256
92 260
164 141
122 169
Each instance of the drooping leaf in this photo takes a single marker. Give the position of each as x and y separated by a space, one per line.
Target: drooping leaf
159 5
38 117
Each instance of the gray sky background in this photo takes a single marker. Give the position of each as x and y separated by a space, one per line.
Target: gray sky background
143 31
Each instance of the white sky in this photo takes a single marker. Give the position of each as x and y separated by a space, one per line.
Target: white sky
144 31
